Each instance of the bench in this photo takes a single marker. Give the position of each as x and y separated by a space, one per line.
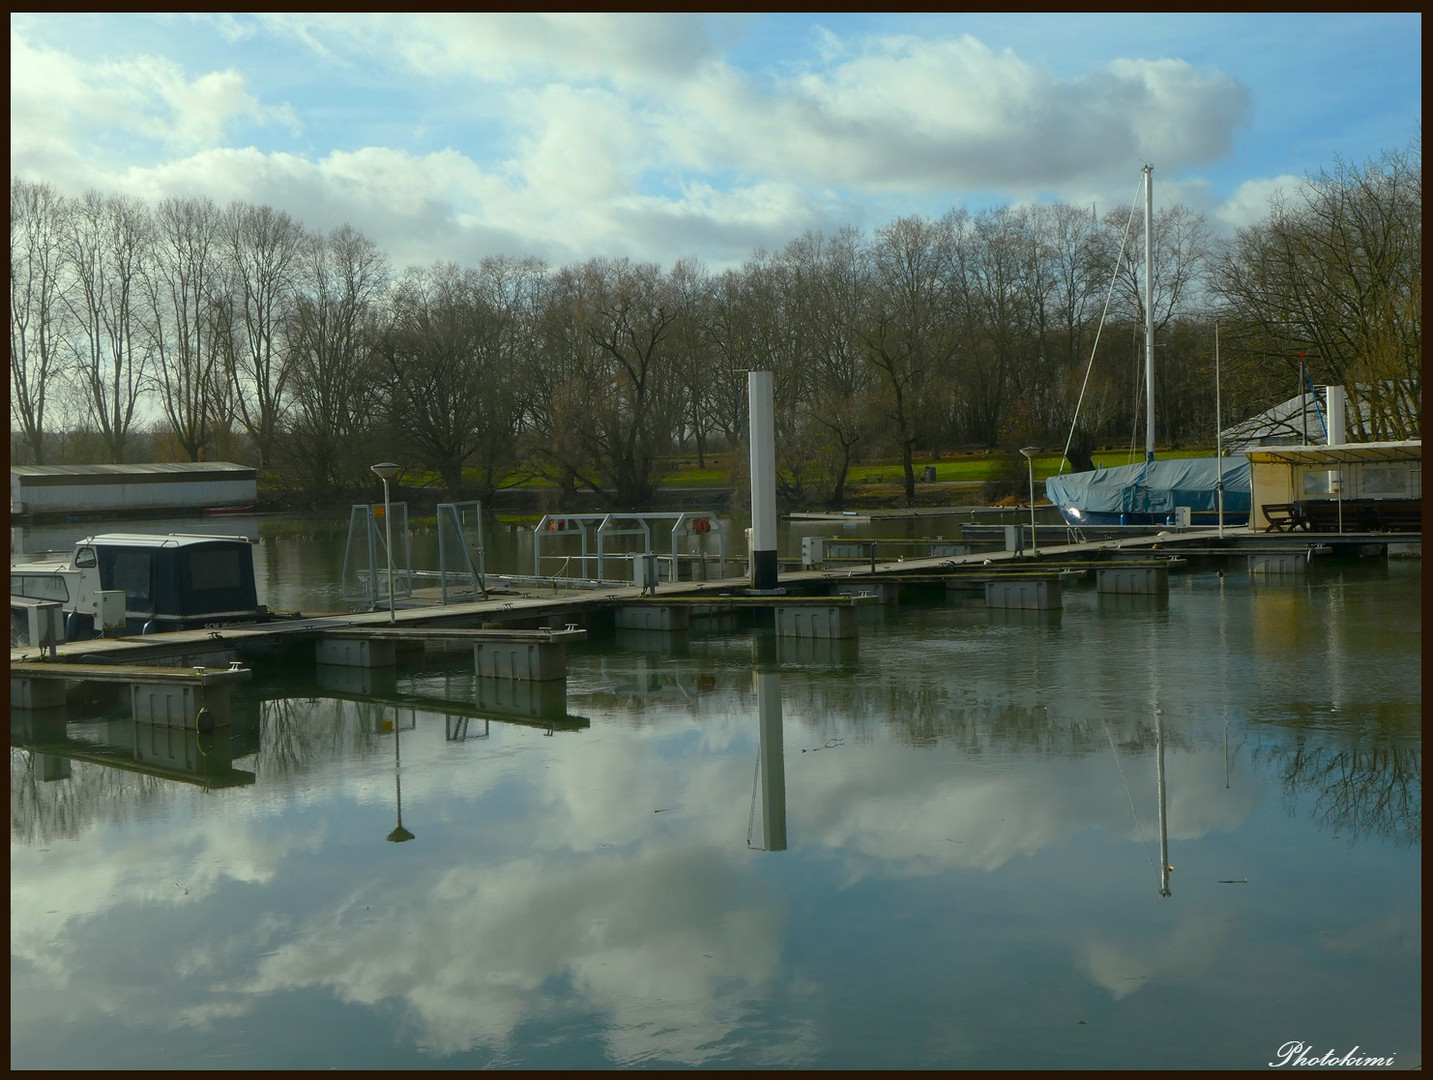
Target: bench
1284 517
1363 515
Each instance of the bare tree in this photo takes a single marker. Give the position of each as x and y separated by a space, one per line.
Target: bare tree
37 281
1183 247
339 382
824 277
1332 282
1069 244
694 351
262 247
454 347
190 308
610 401
511 291
109 247
906 326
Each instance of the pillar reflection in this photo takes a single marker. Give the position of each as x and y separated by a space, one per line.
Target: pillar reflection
767 830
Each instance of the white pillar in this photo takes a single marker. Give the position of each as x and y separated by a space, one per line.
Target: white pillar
761 397
1334 401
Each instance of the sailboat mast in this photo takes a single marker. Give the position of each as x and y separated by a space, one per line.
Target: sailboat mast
1218 435
1149 312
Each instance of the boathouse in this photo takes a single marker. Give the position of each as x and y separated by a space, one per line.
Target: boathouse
39 492
1348 487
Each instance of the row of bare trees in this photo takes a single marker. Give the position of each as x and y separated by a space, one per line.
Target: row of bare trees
1332 280
308 355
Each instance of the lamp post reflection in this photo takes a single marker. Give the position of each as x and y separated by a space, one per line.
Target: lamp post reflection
399 834
770 780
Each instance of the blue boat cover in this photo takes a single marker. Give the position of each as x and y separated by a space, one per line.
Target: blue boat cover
1154 487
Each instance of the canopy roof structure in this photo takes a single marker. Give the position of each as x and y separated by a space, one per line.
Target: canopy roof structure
1340 453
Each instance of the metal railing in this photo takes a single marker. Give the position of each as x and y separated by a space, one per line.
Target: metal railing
594 531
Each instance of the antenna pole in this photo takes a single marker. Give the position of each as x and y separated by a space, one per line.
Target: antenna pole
1149 312
1218 435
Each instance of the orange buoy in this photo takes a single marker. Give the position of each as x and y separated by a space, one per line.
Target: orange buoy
701 525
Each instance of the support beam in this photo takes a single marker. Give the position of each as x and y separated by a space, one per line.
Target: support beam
816 621
1027 593
537 662
653 617
1143 580
36 693
177 705
762 409
545 700
1290 562
371 652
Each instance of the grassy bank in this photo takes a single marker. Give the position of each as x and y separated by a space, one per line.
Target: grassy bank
959 479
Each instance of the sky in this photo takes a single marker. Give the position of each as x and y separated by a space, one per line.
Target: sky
659 137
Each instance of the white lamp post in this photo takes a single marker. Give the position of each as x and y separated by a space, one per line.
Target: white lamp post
387 471
1029 452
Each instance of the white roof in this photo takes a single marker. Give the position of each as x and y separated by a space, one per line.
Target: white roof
157 540
124 472
1411 450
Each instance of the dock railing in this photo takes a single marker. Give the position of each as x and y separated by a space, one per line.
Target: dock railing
593 533
365 556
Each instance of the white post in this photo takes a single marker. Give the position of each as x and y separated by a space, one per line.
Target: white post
1218 436
388 543
386 471
1335 402
1030 452
1149 312
761 404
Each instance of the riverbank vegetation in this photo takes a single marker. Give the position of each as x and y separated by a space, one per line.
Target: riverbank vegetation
187 331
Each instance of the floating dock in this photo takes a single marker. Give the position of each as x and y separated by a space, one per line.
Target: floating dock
518 642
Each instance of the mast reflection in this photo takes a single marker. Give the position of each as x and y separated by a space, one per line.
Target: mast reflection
1164 867
769 797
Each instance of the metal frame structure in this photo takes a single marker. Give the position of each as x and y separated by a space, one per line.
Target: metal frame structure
685 524
451 519
362 579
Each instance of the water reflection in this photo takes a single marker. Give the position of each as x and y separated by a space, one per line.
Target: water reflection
973 797
399 833
769 795
1357 789
205 759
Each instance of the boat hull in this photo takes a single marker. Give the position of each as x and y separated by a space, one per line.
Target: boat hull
1155 493
1077 518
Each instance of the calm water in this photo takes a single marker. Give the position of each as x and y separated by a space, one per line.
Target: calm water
947 855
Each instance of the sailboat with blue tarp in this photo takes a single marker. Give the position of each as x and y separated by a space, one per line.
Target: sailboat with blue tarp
1154 492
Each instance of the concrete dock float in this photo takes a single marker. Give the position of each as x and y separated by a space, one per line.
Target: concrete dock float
167 696
538 612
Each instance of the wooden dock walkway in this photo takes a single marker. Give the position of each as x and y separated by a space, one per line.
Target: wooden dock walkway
564 611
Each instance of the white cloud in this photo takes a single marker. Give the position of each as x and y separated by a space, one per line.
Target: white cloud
1250 202
64 112
952 115
577 134
617 49
666 944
